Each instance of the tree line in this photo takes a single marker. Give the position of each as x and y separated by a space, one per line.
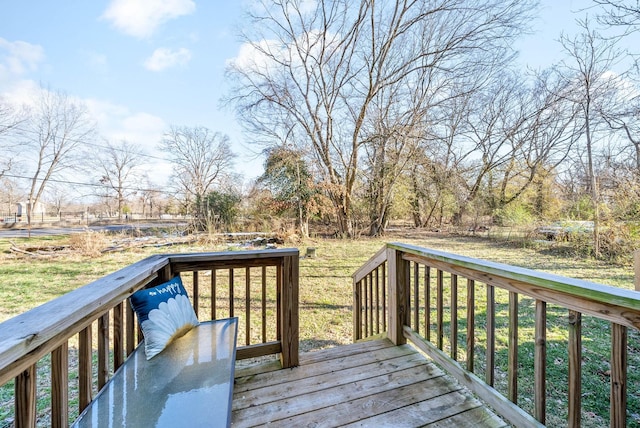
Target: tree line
369 111
419 108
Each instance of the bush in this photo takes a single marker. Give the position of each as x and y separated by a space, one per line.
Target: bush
513 215
89 243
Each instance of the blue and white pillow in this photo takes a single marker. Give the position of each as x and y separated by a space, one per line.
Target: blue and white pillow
164 313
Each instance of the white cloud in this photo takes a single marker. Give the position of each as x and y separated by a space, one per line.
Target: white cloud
141 18
163 58
17 58
117 122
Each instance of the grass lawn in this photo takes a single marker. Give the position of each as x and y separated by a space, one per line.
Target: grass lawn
326 299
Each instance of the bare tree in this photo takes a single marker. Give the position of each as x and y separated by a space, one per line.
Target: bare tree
58 126
315 71
590 85
10 121
199 157
624 13
118 167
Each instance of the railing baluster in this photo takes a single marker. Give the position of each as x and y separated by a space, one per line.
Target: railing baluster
103 350
377 300
454 317
60 386
384 297
85 339
357 311
231 298
264 304
440 309
491 335
540 362
365 297
618 413
370 282
196 292
130 328
416 297
427 303
278 302
247 278
471 323
575 367
512 393
118 336
25 398
214 293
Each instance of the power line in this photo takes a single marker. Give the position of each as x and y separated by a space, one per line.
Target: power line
77 183
91 144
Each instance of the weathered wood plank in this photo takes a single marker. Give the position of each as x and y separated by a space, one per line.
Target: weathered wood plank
323 366
60 387
471 323
398 283
343 351
25 398
263 306
310 384
84 368
258 350
575 368
476 417
454 317
440 309
618 414
301 404
357 311
118 336
378 259
540 362
214 293
103 350
247 306
422 413
512 369
491 336
290 311
195 296
362 409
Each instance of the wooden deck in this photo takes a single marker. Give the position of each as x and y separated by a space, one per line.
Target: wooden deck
365 384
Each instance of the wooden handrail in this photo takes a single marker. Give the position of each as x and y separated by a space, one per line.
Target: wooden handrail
47 329
416 285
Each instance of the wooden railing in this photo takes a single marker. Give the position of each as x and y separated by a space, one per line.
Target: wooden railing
432 298
95 326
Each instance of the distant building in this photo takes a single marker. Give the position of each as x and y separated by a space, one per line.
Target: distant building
38 209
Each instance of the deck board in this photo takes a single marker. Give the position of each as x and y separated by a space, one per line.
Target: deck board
365 384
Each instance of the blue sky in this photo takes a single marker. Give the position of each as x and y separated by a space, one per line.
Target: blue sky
143 65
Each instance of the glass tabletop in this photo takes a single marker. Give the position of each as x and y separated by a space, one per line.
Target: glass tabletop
190 383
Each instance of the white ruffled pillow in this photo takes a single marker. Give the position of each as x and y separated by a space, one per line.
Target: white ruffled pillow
164 313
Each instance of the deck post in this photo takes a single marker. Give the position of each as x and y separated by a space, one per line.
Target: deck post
289 313
398 296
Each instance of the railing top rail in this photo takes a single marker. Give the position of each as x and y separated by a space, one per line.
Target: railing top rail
40 330
232 255
376 260
604 294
